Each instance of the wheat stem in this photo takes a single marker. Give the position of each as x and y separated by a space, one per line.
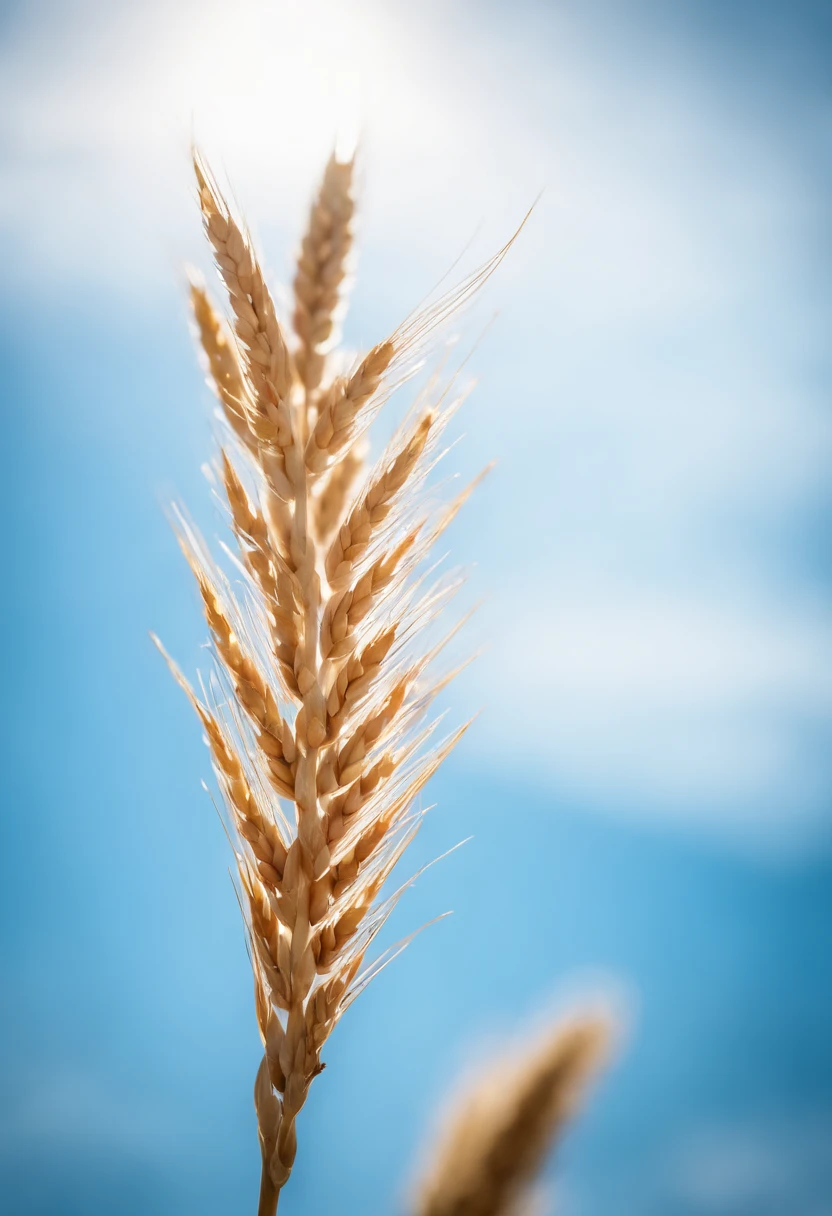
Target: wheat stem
269 1195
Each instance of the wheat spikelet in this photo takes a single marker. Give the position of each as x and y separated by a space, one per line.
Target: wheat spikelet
221 361
270 570
321 270
314 715
504 1122
340 407
265 355
373 507
335 491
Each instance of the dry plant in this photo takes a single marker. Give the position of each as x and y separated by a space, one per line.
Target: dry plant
505 1119
315 713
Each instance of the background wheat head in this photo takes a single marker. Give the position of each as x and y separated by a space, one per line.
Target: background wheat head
503 1121
315 714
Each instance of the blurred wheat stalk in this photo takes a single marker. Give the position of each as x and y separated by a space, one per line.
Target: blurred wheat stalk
315 713
503 1121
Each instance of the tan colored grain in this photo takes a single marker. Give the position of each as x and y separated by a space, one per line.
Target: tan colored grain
322 270
271 574
355 678
373 508
222 362
253 820
266 359
335 489
251 687
345 610
341 406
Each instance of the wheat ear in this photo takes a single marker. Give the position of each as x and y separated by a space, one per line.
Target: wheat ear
314 715
504 1122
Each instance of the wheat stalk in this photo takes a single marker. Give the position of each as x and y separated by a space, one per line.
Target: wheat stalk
503 1122
314 716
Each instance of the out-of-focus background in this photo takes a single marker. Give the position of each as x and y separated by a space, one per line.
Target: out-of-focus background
649 785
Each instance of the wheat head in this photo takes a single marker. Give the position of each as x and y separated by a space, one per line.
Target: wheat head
503 1122
314 715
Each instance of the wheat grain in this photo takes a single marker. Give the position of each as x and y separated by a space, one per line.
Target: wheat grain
335 491
321 271
320 687
505 1120
373 508
270 570
340 408
266 359
221 360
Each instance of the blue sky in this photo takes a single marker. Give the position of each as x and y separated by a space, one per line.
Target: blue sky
648 786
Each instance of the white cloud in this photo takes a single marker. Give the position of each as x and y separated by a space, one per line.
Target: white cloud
466 119
677 705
